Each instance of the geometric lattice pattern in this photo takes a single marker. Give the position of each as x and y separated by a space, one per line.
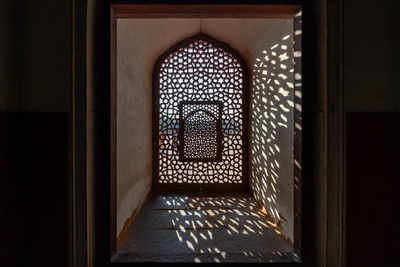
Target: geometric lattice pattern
201 132
200 71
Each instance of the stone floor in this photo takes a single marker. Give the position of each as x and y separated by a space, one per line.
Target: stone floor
184 228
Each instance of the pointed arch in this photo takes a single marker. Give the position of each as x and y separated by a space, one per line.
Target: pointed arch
200 69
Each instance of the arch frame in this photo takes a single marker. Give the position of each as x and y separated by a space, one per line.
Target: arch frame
201 187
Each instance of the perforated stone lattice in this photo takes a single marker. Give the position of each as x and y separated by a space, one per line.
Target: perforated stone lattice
200 71
200 136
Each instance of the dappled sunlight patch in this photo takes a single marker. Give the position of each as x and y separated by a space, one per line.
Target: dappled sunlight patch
276 88
232 217
223 228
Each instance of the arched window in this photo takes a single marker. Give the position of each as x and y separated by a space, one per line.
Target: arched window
200 105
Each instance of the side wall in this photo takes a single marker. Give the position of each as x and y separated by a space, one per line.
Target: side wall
35 104
272 121
139 43
372 129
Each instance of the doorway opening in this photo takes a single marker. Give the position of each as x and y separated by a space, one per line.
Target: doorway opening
207 135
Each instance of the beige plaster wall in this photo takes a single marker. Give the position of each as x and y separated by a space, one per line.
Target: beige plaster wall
139 43
272 121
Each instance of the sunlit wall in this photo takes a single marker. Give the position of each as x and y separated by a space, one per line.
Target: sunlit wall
272 115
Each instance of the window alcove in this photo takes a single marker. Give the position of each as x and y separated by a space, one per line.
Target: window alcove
199 179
